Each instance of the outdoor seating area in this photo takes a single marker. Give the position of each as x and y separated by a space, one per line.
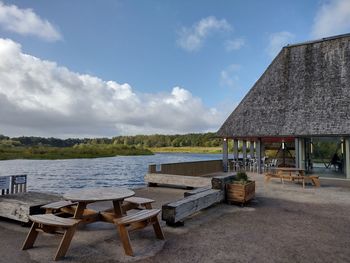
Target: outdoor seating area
100 241
128 213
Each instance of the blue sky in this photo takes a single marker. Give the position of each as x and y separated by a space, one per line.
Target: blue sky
103 68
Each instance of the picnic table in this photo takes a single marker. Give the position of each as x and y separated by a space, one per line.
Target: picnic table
76 205
91 195
292 174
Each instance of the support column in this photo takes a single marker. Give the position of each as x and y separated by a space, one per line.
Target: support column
225 155
301 149
235 149
244 150
347 157
251 150
258 155
297 153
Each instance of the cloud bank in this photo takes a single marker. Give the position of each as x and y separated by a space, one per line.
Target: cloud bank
38 97
26 22
192 38
332 18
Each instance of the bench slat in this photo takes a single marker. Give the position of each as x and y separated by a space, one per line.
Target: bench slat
58 205
52 220
137 217
139 200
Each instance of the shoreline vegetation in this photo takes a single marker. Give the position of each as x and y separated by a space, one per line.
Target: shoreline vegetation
53 148
208 150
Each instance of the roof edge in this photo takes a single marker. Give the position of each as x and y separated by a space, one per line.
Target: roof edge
317 40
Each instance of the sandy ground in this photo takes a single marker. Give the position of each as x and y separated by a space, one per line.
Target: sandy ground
285 223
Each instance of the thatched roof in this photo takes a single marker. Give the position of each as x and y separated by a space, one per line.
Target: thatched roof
305 91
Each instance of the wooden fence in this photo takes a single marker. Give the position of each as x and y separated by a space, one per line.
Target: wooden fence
13 184
198 168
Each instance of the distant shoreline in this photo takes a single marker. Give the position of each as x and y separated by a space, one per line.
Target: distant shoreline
204 150
62 153
76 152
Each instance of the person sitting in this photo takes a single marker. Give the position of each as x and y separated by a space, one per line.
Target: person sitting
336 162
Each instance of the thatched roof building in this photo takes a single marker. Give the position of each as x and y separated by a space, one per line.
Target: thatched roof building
305 91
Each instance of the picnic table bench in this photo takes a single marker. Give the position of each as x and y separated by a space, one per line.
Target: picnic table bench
75 206
299 176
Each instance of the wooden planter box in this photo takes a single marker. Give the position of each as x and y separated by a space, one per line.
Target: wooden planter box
241 193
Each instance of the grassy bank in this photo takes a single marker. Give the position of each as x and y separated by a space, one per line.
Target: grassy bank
77 151
186 149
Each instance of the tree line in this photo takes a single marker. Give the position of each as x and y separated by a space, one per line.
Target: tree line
146 141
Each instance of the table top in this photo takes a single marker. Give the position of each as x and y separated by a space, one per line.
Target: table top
98 194
292 169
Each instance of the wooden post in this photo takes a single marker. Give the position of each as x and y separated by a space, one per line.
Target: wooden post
235 149
258 155
225 155
347 157
251 150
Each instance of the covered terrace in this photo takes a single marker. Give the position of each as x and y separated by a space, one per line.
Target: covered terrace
301 106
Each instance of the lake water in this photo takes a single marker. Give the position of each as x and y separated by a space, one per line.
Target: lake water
59 176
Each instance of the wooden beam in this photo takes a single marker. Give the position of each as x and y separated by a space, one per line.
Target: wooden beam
196 191
177 180
218 182
19 206
177 211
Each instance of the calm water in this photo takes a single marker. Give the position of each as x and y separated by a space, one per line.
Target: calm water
61 175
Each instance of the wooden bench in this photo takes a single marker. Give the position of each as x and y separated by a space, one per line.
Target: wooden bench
49 223
55 207
134 203
137 203
269 176
136 221
314 179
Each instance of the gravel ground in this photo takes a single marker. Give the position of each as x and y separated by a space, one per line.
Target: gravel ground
285 223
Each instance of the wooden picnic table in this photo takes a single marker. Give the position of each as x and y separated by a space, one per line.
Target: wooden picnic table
299 174
76 205
91 195
290 170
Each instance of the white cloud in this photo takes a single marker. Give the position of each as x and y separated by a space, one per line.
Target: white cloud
192 38
26 22
332 18
39 97
229 77
277 41
234 44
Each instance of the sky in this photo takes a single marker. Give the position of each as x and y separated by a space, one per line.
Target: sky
114 67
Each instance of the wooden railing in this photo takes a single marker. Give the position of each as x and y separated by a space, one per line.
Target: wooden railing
188 168
13 184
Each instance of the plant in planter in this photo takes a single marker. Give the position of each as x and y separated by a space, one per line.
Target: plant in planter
240 189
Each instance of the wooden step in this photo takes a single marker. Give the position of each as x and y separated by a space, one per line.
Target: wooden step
53 220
